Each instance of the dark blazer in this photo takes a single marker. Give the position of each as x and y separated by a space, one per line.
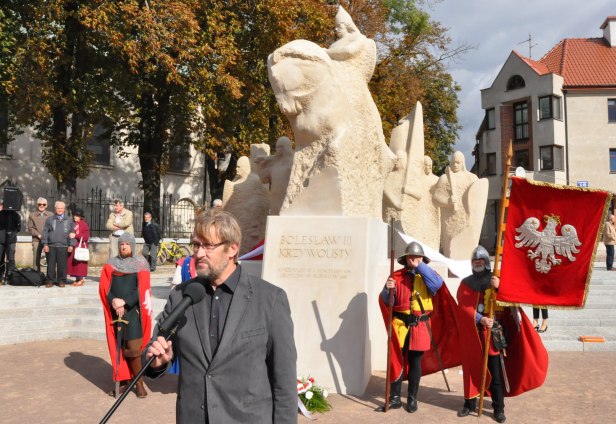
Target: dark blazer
252 378
151 233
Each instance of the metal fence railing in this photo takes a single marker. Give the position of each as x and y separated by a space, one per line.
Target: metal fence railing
176 220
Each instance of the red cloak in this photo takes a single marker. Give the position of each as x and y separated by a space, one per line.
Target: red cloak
145 310
526 362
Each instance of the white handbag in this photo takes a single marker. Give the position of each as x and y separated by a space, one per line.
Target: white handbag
82 254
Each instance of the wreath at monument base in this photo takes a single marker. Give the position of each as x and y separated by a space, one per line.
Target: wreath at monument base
313 396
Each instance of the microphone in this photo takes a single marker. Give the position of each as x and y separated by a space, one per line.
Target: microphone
194 293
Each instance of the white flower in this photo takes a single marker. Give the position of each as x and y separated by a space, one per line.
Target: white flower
324 393
309 395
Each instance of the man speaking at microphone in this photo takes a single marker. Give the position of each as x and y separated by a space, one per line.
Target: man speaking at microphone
235 347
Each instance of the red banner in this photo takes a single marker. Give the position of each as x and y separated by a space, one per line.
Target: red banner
550 243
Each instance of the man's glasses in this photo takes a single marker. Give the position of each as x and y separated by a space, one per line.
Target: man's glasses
207 247
42 204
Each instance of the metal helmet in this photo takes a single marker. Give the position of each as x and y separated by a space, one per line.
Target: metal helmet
480 252
415 249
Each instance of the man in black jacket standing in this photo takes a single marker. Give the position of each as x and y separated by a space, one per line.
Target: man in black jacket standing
151 237
10 225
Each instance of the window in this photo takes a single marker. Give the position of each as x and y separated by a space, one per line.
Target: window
520 158
520 120
490 119
551 158
179 159
100 143
515 82
611 110
612 161
491 164
549 107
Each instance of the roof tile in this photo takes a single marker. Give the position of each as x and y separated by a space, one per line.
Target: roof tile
583 62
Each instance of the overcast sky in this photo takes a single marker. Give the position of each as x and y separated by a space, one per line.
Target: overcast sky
497 27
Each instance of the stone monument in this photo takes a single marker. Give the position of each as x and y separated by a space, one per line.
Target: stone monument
248 200
462 198
275 171
337 128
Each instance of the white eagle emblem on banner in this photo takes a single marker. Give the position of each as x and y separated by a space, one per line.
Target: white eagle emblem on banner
548 244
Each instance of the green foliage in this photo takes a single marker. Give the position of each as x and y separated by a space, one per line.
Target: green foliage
179 72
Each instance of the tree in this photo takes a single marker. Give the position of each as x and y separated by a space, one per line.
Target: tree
239 107
53 88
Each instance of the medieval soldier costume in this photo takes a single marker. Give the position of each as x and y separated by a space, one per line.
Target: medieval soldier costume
514 343
415 300
126 279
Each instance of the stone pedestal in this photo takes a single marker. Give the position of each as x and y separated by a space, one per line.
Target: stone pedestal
333 269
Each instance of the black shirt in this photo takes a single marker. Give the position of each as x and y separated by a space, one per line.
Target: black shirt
220 301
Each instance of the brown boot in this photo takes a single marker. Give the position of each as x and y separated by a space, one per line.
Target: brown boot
135 368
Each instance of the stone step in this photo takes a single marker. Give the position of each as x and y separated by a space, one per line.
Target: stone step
576 346
66 333
51 324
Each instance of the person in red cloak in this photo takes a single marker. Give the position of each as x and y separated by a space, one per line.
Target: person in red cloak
410 346
125 292
526 360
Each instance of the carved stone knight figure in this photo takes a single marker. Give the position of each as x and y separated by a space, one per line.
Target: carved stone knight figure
462 198
275 170
341 157
421 216
248 200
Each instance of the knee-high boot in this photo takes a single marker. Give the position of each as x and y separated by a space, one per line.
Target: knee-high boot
394 396
135 368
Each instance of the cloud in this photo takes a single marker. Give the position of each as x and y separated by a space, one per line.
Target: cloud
499 26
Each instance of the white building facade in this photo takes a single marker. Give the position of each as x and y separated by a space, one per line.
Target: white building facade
560 114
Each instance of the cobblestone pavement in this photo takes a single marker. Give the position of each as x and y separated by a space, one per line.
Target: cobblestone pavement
66 382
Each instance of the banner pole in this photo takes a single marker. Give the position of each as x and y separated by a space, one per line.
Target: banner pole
390 308
497 259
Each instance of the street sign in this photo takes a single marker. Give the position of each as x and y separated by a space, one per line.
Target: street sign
582 184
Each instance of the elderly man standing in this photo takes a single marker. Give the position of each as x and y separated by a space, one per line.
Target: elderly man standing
120 221
57 245
36 221
236 348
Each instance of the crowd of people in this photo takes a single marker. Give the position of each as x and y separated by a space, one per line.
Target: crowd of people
56 235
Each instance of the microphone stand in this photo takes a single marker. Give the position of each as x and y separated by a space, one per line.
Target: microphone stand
134 380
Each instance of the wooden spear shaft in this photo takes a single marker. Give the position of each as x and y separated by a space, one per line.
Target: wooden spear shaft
390 311
497 259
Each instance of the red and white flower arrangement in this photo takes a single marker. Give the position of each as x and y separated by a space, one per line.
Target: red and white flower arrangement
313 396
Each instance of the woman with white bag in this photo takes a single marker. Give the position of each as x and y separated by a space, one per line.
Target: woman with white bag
77 266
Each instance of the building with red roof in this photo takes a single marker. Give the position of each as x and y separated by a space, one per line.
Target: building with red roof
560 114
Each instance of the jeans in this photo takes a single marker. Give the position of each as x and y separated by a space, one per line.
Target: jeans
609 258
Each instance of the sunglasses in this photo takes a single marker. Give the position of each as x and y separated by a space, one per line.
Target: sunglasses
42 204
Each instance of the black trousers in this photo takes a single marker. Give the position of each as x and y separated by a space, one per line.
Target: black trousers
544 313
497 390
57 260
7 250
